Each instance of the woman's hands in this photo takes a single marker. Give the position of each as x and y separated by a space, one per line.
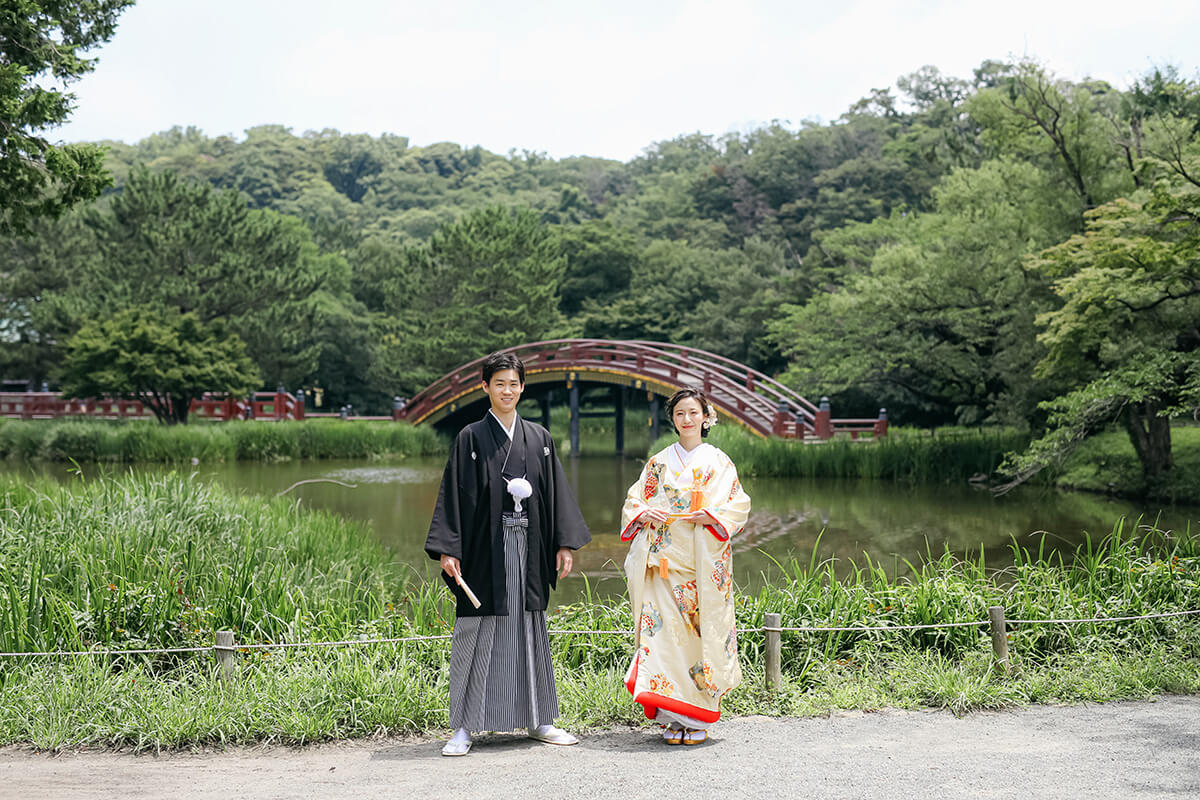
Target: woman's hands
701 517
653 515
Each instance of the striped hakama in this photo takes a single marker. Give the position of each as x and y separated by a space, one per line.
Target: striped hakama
501 677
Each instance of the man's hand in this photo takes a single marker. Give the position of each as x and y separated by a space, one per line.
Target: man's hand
565 560
451 567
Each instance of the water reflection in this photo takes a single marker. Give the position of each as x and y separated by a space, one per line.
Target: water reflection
845 520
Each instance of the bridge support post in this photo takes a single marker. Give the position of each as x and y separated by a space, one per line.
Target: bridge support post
823 426
573 397
780 420
654 404
619 413
544 402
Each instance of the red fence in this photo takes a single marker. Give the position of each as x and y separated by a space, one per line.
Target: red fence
48 405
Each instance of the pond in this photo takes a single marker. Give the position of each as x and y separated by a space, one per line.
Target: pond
845 520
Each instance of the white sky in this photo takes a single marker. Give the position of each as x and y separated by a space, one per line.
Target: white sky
574 78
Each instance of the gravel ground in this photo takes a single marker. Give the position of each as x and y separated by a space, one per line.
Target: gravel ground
1118 750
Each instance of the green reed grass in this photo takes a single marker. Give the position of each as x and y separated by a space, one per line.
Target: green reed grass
904 455
129 441
166 561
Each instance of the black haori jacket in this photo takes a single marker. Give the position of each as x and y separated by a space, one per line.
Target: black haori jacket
467 523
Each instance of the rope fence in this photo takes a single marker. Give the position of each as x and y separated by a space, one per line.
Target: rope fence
225 649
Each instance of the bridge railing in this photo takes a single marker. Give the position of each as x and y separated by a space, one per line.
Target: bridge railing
49 405
759 401
754 380
724 387
721 381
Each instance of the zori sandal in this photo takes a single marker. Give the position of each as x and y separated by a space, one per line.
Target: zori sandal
695 737
672 736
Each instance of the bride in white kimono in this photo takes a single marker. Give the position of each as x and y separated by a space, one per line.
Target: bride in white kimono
679 517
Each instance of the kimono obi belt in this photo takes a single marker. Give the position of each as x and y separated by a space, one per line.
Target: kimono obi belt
676 541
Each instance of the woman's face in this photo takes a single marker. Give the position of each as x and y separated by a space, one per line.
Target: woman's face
688 416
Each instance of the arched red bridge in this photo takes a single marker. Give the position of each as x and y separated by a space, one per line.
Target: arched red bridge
743 395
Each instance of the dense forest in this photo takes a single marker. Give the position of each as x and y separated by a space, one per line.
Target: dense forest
1007 248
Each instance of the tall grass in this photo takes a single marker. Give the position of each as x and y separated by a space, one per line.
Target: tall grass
166 561
903 455
129 441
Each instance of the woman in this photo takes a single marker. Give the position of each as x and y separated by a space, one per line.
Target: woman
679 517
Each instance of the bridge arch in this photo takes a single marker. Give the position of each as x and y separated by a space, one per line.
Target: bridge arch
741 395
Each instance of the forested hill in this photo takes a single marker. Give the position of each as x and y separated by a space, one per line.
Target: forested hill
890 257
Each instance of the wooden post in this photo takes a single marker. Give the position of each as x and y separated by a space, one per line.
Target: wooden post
619 413
780 420
771 625
573 392
224 651
544 402
822 424
999 636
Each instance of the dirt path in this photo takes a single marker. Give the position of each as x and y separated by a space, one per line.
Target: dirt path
1120 750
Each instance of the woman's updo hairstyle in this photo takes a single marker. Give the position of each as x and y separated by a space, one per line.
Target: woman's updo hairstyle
710 413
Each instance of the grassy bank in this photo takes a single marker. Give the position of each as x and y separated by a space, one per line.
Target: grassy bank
904 455
87 440
166 562
1107 463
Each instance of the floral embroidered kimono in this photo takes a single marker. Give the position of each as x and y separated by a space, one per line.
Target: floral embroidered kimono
681 585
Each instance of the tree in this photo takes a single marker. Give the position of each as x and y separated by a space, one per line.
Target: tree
34 267
163 358
1126 340
671 281
180 245
489 281
41 43
600 262
937 318
1062 127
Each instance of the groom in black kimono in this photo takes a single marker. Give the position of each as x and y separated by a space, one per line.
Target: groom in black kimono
505 525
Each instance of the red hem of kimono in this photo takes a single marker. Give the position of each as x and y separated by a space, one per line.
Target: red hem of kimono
723 536
632 522
652 702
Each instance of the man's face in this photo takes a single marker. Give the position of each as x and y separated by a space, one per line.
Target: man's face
504 390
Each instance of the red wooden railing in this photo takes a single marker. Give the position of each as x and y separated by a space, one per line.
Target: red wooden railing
48 405
756 400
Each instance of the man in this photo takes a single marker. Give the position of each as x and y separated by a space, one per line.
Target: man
505 525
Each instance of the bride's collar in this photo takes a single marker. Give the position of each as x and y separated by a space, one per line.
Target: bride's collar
682 455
